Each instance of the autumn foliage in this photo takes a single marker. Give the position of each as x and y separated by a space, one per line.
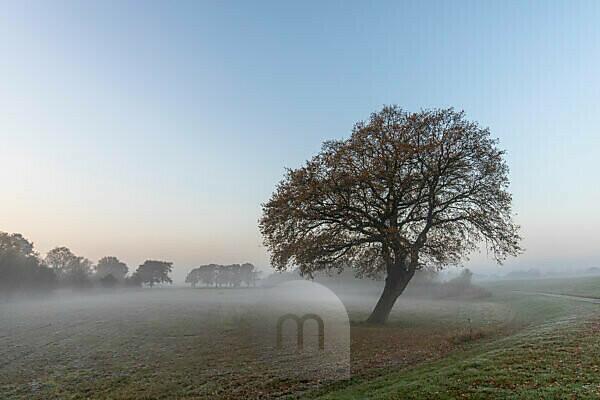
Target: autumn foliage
405 190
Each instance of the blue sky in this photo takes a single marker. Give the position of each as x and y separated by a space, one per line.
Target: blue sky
156 129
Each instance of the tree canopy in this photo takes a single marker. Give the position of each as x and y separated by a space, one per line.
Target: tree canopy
153 272
403 191
223 275
111 266
70 268
20 266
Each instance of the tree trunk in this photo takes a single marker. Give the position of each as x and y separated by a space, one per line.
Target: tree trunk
395 283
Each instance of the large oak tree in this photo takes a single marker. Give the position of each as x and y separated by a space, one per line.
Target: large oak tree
406 190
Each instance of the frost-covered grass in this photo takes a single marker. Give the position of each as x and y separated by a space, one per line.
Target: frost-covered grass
556 357
189 344
164 343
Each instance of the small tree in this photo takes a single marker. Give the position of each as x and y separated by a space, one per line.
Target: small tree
404 191
78 273
247 274
152 272
60 259
16 242
70 268
111 266
193 277
20 265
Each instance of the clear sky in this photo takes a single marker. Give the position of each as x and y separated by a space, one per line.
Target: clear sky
156 129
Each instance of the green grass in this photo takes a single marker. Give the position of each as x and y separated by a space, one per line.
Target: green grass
580 286
556 357
534 366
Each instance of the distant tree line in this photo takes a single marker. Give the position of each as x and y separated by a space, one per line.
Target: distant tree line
22 268
233 275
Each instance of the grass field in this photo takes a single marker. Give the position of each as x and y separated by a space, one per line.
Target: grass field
176 343
556 356
588 286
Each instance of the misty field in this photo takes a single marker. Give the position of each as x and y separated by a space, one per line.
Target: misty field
191 343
